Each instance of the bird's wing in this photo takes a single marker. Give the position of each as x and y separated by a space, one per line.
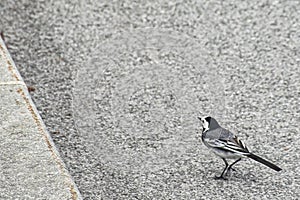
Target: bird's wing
234 144
228 142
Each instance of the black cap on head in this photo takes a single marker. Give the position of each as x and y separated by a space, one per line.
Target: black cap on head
208 119
213 124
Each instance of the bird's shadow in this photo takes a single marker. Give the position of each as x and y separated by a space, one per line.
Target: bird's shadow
235 175
242 176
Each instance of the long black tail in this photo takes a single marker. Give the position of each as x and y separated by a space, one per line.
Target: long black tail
263 161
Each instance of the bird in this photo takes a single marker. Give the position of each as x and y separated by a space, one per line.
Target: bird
226 145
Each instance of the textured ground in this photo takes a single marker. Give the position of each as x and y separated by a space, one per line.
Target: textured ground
120 86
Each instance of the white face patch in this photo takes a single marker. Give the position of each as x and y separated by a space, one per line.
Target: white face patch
205 124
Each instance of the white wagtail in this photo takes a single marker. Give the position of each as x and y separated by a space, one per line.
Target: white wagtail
227 146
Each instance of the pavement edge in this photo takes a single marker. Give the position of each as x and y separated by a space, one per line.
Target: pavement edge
16 79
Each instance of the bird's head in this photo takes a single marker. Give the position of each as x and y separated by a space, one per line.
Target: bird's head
208 123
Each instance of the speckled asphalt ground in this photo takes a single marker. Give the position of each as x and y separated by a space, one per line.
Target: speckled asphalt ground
120 85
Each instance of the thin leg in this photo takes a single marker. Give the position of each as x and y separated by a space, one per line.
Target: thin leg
230 166
226 165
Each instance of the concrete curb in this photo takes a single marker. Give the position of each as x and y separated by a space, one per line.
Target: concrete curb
31 165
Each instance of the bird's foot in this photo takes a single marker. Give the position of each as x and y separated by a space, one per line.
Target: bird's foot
220 177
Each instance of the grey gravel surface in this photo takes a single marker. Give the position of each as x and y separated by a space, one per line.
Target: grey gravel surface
120 85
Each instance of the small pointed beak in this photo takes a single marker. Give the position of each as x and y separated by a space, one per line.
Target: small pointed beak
200 119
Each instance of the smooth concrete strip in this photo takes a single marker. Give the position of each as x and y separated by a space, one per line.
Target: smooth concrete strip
8 71
31 167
